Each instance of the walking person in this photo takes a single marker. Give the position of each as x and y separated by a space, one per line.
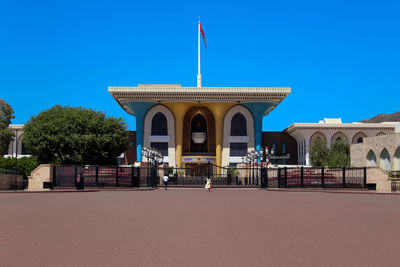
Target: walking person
165 179
208 184
80 180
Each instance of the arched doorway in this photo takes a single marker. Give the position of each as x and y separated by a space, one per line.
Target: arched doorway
199 132
384 160
198 141
371 159
396 160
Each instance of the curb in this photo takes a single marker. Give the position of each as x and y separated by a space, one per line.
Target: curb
73 191
332 191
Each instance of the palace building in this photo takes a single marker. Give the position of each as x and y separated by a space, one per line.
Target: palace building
196 125
192 126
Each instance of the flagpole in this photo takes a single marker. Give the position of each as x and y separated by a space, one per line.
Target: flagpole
198 58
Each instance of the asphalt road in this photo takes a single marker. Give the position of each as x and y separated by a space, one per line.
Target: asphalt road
226 227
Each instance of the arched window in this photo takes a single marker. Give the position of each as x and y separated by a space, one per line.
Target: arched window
284 151
396 160
317 136
273 147
384 160
371 159
358 138
339 136
238 125
284 148
159 125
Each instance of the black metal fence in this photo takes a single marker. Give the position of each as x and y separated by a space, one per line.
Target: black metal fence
12 179
99 176
256 176
395 185
315 177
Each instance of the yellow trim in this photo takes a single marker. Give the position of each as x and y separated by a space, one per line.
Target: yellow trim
218 109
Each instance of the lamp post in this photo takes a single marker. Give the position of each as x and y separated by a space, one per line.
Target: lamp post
16 159
252 159
153 156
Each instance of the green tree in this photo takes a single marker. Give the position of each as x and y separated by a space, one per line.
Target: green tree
6 134
68 135
319 153
25 164
339 154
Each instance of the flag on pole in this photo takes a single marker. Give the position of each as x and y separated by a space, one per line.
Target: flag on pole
202 33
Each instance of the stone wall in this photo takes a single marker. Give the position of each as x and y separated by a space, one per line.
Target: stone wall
7 181
376 175
43 173
390 142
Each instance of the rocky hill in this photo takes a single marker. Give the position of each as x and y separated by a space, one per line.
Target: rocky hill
383 118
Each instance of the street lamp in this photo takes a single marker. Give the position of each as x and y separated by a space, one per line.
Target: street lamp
252 159
153 156
16 159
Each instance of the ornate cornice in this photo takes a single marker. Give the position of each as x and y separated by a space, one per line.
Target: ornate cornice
177 93
342 126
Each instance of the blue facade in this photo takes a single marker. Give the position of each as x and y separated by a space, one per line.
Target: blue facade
258 109
139 109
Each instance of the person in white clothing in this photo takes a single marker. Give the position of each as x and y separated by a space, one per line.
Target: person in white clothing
208 184
165 179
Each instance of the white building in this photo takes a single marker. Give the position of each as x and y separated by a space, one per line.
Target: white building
18 130
332 130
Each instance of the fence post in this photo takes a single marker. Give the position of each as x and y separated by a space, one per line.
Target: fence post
257 170
344 177
132 173
365 177
75 175
302 176
266 177
285 176
153 177
116 176
54 175
138 177
97 176
279 177
322 177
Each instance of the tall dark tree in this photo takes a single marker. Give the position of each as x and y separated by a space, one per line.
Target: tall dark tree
339 154
6 134
68 135
336 156
319 153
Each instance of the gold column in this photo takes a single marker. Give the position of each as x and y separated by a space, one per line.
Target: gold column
179 110
219 110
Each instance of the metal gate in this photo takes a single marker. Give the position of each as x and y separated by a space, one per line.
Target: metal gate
252 176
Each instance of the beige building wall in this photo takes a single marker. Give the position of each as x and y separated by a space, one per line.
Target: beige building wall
304 133
43 173
227 138
360 154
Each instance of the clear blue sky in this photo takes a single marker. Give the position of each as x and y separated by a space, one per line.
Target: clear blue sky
341 58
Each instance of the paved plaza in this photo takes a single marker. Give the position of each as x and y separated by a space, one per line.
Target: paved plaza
191 227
